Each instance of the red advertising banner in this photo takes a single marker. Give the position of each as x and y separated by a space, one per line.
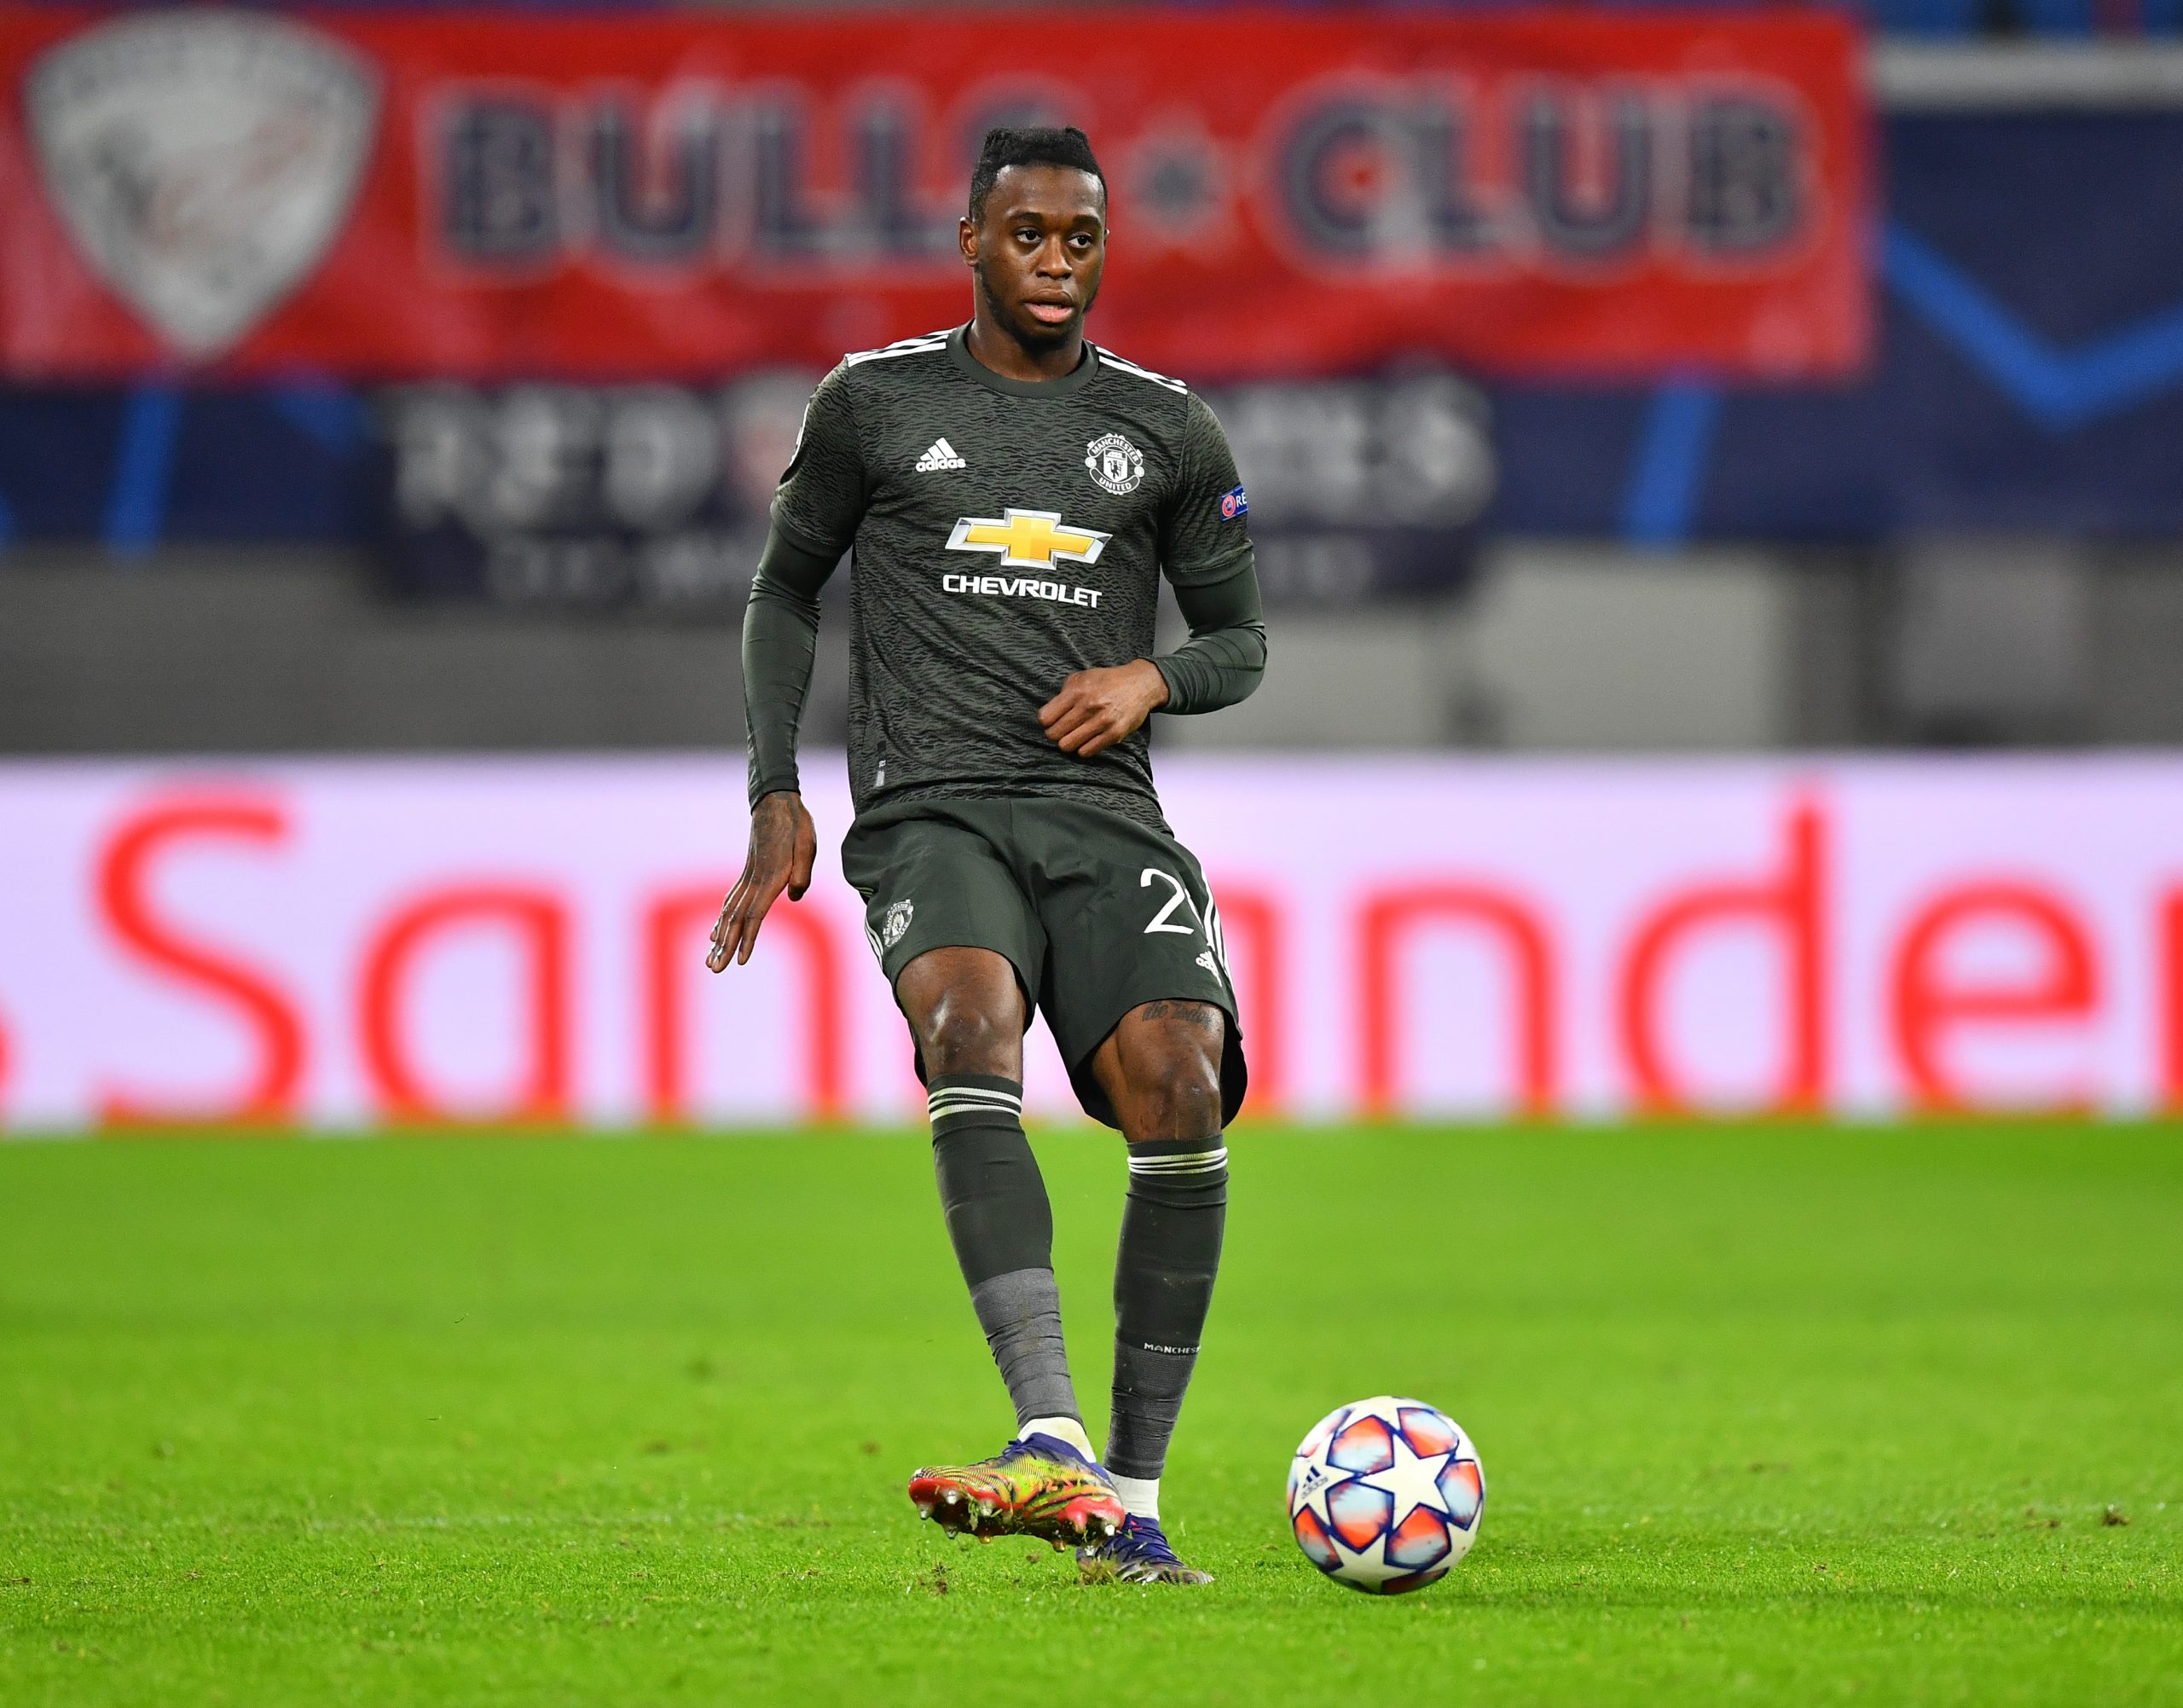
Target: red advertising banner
379 195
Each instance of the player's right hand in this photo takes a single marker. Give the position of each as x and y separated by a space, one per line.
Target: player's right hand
784 844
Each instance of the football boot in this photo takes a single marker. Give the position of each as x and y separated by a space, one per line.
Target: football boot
1034 1486
1138 1553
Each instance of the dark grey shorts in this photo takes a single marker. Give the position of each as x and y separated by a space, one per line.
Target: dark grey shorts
1096 913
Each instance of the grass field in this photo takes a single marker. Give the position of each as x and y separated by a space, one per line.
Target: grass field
1769 1414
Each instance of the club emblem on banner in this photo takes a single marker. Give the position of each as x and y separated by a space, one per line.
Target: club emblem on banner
202 161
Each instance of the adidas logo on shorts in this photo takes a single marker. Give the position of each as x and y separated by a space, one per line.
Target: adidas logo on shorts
941 455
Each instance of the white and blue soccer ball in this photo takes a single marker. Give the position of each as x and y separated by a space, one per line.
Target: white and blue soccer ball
1386 1494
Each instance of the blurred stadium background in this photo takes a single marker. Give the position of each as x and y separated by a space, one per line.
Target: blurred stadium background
1716 473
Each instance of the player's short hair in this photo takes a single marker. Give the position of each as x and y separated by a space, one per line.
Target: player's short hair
1036 145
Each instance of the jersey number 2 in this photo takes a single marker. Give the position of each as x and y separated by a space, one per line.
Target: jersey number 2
1208 922
1181 897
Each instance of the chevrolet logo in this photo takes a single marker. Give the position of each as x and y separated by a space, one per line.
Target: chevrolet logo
1027 539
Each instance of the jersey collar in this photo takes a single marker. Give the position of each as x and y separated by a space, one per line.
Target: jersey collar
958 351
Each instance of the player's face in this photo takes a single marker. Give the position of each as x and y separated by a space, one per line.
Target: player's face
1039 251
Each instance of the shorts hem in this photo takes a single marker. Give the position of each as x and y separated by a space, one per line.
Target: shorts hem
1235 1071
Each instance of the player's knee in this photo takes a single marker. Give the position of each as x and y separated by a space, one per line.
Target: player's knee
961 1036
1177 1091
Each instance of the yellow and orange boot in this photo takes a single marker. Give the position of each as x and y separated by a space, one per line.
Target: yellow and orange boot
1036 1485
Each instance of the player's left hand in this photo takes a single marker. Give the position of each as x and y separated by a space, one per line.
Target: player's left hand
1096 709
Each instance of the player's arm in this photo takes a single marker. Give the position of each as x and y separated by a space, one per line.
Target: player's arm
820 499
780 638
1225 658
1219 664
1205 549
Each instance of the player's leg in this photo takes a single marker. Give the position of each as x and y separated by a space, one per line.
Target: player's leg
1137 992
967 1013
958 943
1161 1069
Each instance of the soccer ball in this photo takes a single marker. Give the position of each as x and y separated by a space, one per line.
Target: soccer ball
1385 1495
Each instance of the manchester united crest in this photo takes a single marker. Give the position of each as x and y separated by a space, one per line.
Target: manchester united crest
1114 463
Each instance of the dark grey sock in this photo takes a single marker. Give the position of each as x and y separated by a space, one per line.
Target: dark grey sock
1003 1231
1163 1286
1020 1314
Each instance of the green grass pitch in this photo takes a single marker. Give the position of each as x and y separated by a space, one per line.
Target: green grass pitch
1767 1415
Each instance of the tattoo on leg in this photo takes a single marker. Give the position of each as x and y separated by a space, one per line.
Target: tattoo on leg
1201 1015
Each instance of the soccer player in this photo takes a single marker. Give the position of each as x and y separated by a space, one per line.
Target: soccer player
1012 493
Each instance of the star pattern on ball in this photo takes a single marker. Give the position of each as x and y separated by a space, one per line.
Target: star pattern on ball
1369 1567
1414 1481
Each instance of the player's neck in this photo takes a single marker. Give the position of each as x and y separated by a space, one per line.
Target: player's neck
992 348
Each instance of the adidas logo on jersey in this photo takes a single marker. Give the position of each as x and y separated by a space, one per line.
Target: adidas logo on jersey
941 455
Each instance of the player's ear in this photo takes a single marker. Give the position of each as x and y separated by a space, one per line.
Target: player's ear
966 240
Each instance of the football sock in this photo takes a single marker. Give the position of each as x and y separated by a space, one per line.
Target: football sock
1163 1284
1140 1496
1003 1232
1068 1429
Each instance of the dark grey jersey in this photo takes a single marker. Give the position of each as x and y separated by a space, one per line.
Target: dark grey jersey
1005 534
